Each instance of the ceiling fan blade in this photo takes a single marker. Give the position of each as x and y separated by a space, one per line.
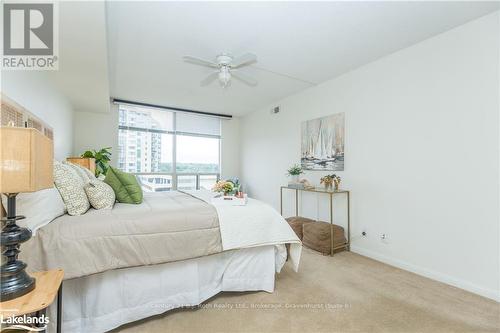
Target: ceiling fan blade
209 79
244 78
245 59
199 61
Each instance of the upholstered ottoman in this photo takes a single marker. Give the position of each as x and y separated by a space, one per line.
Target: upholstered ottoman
297 222
317 236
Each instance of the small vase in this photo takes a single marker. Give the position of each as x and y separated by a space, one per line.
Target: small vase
337 184
295 179
328 186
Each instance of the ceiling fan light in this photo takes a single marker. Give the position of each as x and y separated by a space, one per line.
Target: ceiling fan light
224 76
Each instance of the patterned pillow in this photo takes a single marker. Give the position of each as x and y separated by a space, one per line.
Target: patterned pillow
100 194
70 186
80 171
87 172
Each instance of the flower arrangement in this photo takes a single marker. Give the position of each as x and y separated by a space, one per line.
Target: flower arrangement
328 180
223 186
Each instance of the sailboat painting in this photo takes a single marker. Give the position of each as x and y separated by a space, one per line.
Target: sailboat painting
323 143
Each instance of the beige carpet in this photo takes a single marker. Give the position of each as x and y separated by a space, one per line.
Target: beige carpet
344 293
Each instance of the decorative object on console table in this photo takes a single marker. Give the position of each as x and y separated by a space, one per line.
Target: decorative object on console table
330 180
49 284
26 157
86 162
294 172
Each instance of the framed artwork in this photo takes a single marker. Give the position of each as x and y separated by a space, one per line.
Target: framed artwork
323 143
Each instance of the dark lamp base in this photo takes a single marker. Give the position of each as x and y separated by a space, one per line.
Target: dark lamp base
16 285
14 280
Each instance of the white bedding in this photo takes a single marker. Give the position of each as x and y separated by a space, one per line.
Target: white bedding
252 237
255 224
101 302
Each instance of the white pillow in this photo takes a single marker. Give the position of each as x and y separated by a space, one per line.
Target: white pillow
70 185
100 194
39 208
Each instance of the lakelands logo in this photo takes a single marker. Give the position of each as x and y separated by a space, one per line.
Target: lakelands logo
24 323
30 36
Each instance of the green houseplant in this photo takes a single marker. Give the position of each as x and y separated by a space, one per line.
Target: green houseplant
295 171
102 158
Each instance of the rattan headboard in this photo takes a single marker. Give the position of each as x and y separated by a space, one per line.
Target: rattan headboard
13 114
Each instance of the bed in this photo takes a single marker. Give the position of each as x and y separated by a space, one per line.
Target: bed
175 249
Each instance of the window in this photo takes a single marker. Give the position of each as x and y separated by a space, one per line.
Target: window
168 150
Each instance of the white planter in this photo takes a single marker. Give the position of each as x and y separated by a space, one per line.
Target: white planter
294 179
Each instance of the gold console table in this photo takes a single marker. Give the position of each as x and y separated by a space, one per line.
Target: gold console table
331 193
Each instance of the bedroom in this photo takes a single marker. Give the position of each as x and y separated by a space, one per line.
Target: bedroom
376 123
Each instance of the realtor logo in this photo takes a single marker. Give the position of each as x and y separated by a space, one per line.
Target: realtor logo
29 36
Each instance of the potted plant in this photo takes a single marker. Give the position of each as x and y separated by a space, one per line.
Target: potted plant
102 158
330 180
295 171
236 185
223 186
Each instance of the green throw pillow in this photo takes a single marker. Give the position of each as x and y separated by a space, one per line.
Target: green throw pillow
125 185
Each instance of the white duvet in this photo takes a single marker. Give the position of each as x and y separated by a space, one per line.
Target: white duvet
255 224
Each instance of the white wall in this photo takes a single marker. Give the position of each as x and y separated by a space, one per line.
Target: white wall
230 148
98 130
37 93
422 155
93 130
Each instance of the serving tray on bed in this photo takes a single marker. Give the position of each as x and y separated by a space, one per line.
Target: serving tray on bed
230 200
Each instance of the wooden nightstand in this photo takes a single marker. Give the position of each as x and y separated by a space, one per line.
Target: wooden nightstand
48 284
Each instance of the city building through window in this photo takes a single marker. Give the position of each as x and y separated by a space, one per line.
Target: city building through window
168 150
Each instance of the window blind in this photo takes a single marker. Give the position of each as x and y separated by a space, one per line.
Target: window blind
195 124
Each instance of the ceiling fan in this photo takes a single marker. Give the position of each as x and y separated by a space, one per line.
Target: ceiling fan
227 67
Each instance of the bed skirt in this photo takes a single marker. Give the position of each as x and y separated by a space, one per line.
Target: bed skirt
101 302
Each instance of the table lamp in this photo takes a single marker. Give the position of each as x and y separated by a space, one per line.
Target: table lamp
26 162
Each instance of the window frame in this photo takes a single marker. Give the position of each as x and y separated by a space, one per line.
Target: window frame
174 174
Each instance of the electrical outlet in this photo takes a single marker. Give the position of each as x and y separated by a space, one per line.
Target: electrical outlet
384 238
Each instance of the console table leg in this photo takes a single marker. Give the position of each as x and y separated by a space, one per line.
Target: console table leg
331 225
348 221
296 202
281 201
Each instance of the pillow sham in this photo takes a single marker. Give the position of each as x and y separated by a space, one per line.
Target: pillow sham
70 185
89 173
125 186
80 171
39 208
100 194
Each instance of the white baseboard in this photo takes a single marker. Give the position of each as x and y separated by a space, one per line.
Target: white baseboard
489 293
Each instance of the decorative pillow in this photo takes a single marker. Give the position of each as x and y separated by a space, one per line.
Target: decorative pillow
125 185
80 171
39 208
100 194
70 185
89 173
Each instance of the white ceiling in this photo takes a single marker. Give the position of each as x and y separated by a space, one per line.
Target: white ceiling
305 43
